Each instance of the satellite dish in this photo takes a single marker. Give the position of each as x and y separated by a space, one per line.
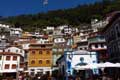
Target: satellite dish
45 2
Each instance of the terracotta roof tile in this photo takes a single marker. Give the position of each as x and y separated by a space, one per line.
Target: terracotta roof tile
9 53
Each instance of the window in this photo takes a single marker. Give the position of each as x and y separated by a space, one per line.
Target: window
16 51
85 48
21 65
61 39
7 57
7 66
43 46
48 52
32 70
32 73
56 39
83 37
96 45
14 66
33 52
40 61
8 50
102 45
0 57
80 48
40 52
14 57
32 62
47 61
20 51
40 73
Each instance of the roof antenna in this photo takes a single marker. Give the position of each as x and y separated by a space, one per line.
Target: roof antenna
45 2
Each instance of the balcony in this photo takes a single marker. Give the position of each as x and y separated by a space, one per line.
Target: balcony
96 39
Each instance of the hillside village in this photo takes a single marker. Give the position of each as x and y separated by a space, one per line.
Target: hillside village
32 53
60 40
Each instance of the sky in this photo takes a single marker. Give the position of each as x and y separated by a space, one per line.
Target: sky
19 7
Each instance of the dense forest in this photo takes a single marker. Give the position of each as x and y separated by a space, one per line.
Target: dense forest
81 14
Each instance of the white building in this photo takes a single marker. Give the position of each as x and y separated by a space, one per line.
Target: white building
15 50
5 31
57 32
84 34
43 39
25 46
62 27
59 40
4 43
49 28
68 30
16 32
98 24
88 57
10 63
4 26
72 59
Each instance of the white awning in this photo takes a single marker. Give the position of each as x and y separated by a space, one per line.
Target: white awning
97 65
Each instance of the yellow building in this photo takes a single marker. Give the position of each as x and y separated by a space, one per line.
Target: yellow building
40 58
76 38
26 34
50 38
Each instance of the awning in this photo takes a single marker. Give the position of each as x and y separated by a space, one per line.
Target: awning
97 65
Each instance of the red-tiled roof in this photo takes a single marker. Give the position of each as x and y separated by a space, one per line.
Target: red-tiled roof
8 53
32 44
97 49
45 36
40 48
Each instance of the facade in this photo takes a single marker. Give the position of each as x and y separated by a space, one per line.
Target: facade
96 24
4 26
24 43
4 32
50 38
4 43
15 50
67 30
97 42
40 58
84 34
11 64
72 59
49 30
43 39
76 37
57 32
58 50
59 40
82 45
16 32
26 34
112 35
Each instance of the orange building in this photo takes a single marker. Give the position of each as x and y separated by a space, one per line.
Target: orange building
40 58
